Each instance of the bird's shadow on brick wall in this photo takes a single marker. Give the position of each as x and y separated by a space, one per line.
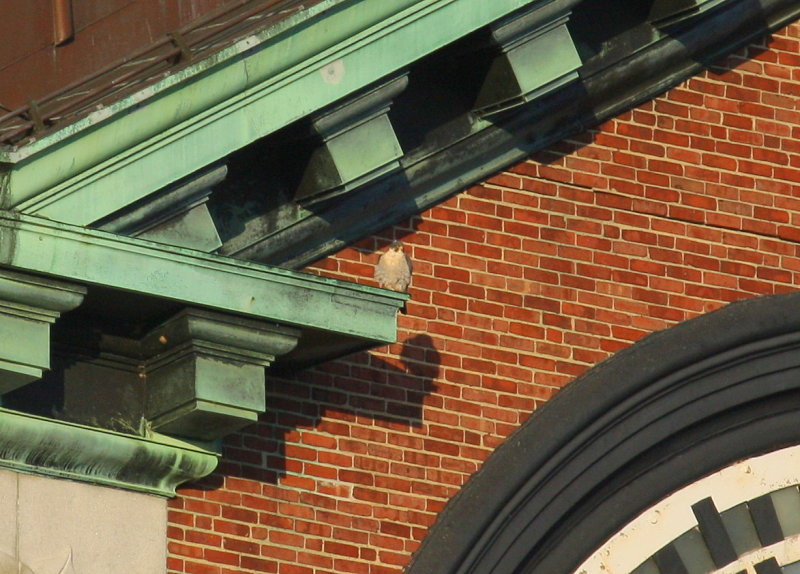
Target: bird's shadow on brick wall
311 412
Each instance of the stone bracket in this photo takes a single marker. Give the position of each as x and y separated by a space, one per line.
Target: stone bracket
204 372
199 374
358 144
176 216
28 306
537 56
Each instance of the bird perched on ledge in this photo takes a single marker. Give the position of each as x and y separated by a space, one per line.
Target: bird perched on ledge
394 269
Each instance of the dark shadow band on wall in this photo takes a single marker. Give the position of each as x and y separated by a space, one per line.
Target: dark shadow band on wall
679 405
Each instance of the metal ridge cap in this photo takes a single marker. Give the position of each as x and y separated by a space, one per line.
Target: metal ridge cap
154 465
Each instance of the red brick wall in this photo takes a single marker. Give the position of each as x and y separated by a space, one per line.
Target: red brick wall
521 284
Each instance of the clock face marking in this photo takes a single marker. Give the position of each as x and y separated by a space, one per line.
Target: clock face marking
744 518
769 566
713 530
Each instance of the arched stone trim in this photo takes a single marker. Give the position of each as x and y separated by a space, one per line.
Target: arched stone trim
679 405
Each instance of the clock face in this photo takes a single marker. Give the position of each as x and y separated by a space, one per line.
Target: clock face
743 518
677 456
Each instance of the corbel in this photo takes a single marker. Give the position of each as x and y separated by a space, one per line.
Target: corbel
29 305
102 376
178 215
204 372
199 374
535 56
667 14
356 144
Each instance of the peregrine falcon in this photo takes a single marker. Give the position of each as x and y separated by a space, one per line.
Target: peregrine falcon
394 269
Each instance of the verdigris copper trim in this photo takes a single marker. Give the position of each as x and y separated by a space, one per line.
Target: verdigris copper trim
347 316
156 465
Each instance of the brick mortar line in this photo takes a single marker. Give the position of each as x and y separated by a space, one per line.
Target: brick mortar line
270 528
578 289
650 215
372 456
317 521
683 163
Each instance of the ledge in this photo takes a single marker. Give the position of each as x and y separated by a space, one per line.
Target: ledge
223 103
28 307
157 465
334 317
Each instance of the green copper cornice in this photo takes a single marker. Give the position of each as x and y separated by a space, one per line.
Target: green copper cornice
204 112
345 315
156 465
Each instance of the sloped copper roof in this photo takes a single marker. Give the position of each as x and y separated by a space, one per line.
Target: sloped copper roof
195 41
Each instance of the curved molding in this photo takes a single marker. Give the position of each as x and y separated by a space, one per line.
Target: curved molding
680 404
48 296
36 445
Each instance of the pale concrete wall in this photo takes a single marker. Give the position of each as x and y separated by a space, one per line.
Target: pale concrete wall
51 526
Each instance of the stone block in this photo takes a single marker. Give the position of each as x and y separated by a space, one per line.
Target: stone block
177 215
8 511
357 144
73 527
536 56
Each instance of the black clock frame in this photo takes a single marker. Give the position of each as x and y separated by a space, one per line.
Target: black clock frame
678 405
